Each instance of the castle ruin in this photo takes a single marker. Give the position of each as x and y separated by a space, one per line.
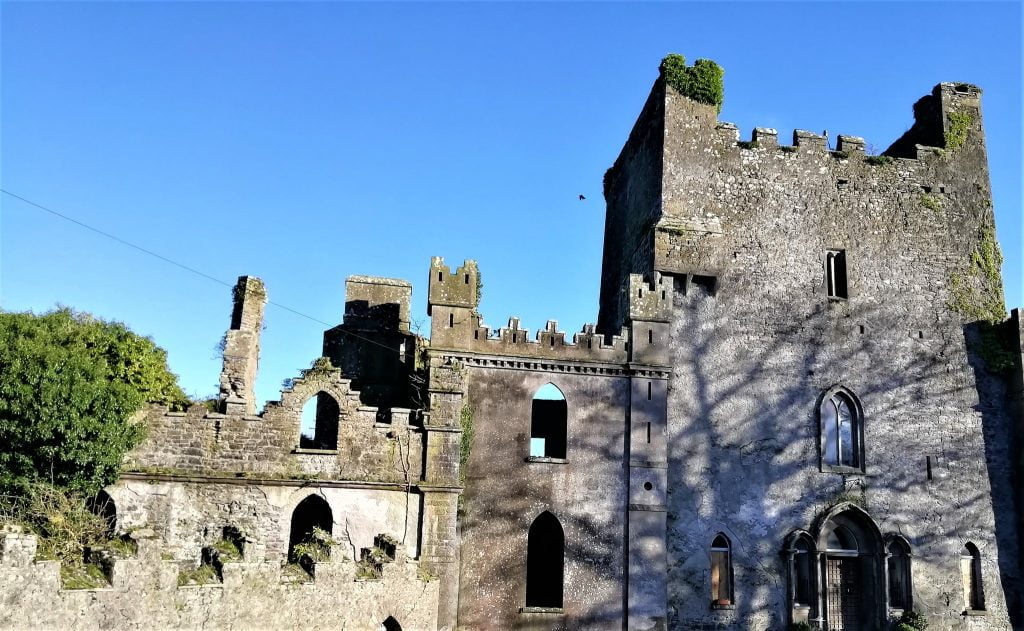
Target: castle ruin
786 413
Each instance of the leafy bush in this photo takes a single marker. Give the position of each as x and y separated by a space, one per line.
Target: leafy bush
69 384
317 547
203 574
912 621
701 82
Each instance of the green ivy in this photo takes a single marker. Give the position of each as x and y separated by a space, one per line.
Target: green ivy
877 160
959 126
701 82
69 387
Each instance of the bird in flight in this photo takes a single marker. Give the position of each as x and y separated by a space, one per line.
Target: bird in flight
582 198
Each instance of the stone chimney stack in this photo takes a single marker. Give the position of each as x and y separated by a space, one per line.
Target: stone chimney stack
242 347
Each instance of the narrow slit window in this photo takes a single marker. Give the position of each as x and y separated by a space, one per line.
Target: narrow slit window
451 320
721 571
548 423
648 431
835 273
899 575
970 570
802 574
650 336
648 390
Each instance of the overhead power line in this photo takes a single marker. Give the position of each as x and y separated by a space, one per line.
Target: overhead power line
182 265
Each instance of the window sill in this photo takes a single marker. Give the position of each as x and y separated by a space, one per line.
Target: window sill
975 612
546 459
837 299
828 468
718 607
553 611
315 452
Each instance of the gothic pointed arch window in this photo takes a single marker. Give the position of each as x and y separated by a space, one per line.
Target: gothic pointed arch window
319 428
841 431
970 572
545 562
898 573
721 571
548 423
103 505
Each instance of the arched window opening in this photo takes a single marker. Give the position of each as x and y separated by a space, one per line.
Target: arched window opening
103 505
320 423
970 571
835 273
545 562
548 424
721 571
390 625
899 575
311 519
841 432
803 564
841 540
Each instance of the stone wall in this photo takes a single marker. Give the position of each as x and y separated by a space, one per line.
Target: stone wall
507 490
756 342
144 594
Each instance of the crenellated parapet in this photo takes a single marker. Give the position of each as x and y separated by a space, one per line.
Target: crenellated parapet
460 288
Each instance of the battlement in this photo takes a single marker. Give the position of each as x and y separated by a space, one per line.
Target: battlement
650 301
454 289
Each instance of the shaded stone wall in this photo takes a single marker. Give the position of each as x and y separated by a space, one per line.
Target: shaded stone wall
756 341
506 491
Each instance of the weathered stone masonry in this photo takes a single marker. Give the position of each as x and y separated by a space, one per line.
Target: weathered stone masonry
675 466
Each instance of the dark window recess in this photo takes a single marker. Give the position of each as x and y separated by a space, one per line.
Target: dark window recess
648 390
648 486
320 423
899 575
103 505
467 279
802 573
451 320
391 625
548 424
648 432
928 466
312 512
704 283
440 277
545 559
835 273
650 336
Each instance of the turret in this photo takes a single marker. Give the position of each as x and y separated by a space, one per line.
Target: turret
452 302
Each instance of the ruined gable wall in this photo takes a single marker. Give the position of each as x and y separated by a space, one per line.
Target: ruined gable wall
752 359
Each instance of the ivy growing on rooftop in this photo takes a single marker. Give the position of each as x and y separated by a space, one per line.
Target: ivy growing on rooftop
701 82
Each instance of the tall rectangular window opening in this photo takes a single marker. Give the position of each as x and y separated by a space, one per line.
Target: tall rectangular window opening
721 571
835 273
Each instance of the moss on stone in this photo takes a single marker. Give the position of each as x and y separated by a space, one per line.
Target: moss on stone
877 160
931 202
82 576
204 574
959 126
701 82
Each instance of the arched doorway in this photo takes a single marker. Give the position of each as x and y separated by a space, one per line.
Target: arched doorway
852 594
312 512
103 505
390 625
545 560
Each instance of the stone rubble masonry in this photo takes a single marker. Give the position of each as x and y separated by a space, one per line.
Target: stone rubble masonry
242 347
692 410
144 594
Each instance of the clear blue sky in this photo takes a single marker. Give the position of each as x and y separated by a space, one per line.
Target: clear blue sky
304 143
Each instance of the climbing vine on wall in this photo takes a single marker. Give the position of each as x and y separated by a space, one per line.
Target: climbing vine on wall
977 295
701 82
959 125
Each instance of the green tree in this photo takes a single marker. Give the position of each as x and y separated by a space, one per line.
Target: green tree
69 387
